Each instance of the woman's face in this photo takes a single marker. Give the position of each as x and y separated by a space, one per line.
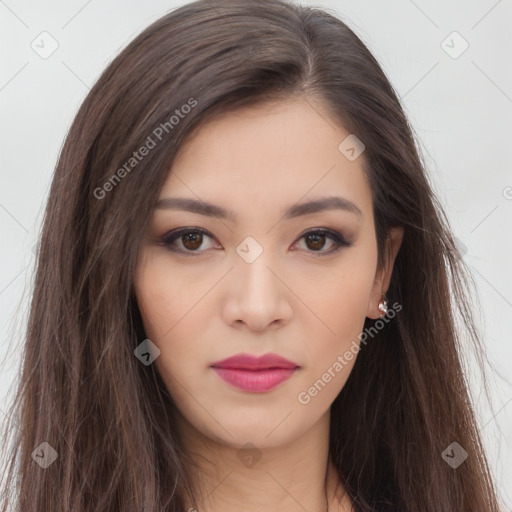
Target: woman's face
261 279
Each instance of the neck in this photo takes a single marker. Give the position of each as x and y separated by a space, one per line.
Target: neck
295 476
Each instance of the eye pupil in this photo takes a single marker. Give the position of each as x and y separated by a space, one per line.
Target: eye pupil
192 240
195 239
317 239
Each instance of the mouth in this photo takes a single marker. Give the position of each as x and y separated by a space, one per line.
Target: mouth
253 373
260 380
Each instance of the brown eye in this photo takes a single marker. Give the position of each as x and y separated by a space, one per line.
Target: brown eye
192 240
189 241
315 241
186 241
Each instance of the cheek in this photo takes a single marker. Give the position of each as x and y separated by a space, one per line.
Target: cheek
340 297
340 305
331 356
156 302
173 314
174 318
168 297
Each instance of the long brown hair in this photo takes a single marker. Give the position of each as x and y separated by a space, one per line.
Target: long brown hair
108 417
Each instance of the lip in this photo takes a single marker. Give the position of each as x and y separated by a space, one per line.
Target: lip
250 362
256 374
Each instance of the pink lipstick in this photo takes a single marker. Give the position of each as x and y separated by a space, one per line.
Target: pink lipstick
256 374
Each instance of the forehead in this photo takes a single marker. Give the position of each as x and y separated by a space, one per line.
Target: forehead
267 156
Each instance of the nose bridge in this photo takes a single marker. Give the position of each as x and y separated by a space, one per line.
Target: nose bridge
257 296
253 267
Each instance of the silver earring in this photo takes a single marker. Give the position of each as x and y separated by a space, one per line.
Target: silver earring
383 305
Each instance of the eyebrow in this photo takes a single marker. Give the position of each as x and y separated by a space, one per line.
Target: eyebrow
296 210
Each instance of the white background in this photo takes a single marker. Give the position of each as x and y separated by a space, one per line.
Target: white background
460 108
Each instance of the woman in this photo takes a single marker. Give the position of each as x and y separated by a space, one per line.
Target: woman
246 289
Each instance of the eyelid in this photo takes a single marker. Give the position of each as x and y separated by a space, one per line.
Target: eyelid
175 234
338 238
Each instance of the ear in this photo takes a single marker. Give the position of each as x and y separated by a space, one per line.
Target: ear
383 273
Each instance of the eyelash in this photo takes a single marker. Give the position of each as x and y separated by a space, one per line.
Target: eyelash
170 238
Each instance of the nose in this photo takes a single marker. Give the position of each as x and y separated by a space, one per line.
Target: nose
259 296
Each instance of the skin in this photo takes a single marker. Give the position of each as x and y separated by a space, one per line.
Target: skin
201 308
